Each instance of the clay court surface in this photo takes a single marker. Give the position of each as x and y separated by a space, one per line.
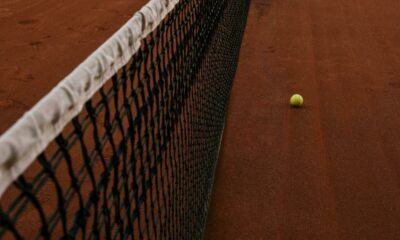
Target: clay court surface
330 170
42 41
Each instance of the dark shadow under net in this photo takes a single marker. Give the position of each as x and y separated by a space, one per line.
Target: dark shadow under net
139 160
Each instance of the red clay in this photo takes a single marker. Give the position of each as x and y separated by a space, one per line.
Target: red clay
330 170
42 41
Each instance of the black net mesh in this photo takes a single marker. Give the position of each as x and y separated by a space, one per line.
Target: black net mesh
138 162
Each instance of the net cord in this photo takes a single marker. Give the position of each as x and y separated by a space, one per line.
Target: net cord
30 135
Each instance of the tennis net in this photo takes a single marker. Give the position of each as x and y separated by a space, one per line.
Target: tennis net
126 146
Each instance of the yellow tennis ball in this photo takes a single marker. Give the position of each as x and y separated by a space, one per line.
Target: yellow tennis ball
296 100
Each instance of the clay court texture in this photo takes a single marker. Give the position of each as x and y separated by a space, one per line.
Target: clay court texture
43 41
328 170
